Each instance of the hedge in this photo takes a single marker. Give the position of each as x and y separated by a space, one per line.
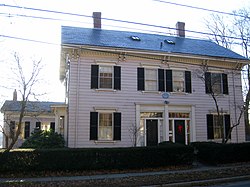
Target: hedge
217 153
95 158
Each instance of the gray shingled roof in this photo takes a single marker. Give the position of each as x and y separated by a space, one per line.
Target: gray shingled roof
32 106
149 42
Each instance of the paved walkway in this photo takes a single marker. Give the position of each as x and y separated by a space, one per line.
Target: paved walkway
124 175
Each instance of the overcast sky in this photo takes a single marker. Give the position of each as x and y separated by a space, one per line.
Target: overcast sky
32 25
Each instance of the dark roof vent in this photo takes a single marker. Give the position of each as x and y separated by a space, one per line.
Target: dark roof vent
135 38
170 42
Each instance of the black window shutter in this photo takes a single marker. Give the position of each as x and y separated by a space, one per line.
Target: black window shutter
117 126
188 85
117 77
94 76
52 126
161 81
208 84
140 79
227 124
210 126
225 83
93 125
169 81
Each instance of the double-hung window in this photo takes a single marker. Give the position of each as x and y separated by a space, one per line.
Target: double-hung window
216 83
105 77
151 80
178 81
163 80
217 126
105 126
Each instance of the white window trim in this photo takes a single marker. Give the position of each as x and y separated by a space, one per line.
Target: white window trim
157 85
99 78
105 109
106 62
103 140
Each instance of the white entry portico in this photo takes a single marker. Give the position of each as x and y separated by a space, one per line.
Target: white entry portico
165 122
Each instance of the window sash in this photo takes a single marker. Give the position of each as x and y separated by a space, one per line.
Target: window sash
106 77
178 81
151 80
216 83
105 130
218 127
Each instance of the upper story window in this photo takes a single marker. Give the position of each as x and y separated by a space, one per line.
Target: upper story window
105 77
178 81
151 80
216 83
163 80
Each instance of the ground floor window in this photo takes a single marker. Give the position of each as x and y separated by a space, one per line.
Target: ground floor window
26 129
218 127
105 126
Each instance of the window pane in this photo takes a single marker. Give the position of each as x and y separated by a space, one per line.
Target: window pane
218 127
151 79
216 83
151 114
178 81
105 126
106 76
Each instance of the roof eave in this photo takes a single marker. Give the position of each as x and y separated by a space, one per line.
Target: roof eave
151 52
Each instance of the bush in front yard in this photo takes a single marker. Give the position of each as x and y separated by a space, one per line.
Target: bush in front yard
96 158
217 153
44 140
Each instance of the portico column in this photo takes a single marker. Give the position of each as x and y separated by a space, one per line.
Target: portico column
166 124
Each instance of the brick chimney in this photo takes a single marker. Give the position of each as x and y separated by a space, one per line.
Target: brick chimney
15 95
180 29
97 20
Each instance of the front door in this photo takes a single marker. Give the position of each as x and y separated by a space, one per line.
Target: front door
179 128
152 132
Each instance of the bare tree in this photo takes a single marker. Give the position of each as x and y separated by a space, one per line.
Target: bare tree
134 134
25 83
242 31
213 88
221 32
236 32
237 123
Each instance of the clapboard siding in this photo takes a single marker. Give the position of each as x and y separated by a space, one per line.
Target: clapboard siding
83 100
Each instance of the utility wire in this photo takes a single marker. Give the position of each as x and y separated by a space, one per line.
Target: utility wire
111 19
200 8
